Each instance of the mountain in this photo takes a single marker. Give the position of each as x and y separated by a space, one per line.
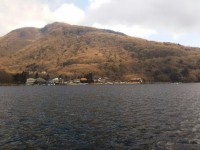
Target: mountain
63 49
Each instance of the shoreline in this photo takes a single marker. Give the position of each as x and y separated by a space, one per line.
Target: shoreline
77 84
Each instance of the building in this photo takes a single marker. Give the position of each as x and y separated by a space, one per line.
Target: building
83 80
58 80
136 80
30 81
40 81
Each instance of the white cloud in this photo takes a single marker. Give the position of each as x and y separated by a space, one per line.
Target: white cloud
135 30
68 13
177 36
94 4
144 18
172 15
19 13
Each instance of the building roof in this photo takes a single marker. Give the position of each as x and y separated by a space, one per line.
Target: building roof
83 79
40 80
30 81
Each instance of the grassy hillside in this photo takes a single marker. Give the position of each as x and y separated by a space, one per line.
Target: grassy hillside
60 48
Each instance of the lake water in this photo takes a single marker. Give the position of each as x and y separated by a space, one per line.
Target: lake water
157 116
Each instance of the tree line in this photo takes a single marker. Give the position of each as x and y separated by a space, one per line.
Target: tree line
20 78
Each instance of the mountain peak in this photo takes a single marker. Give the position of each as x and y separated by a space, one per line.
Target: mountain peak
63 49
54 25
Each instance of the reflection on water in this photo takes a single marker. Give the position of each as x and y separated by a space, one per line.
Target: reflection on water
160 116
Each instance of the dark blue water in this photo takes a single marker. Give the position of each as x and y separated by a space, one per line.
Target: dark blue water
157 116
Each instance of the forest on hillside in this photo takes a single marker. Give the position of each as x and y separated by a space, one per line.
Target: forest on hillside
71 51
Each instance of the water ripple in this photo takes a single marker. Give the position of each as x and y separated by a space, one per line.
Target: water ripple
158 116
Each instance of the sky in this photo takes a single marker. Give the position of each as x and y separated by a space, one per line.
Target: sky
176 21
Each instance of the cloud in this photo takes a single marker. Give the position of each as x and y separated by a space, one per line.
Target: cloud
37 13
138 31
20 13
68 13
141 18
95 4
176 17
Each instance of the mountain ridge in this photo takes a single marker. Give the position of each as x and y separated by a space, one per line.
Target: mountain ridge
70 50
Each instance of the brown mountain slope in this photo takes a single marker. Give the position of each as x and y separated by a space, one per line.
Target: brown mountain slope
18 39
60 48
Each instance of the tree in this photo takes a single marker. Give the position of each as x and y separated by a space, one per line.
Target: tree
89 77
20 77
47 77
5 77
24 76
185 72
36 75
175 77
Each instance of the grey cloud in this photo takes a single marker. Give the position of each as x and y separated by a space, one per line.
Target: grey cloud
173 15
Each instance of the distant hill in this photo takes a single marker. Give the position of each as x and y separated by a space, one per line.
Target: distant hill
63 49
